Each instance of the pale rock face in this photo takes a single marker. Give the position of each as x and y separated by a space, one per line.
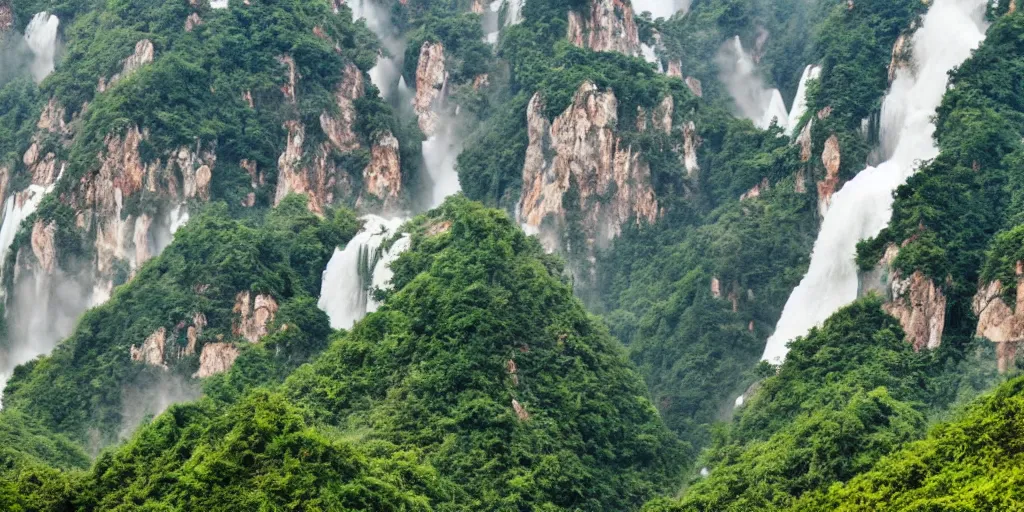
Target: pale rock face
691 141
339 129
382 178
5 180
806 143
901 56
152 350
192 21
663 115
800 186
6 17
431 77
253 316
999 323
920 306
675 68
481 81
43 245
291 177
477 7
581 146
695 86
216 358
756 190
194 332
520 410
288 88
716 288
142 55
831 158
44 168
607 26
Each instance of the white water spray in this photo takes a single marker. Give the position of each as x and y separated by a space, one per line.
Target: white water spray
800 102
662 8
951 30
440 153
355 271
41 38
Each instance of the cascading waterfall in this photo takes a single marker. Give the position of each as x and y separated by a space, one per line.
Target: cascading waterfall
514 14
661 8
16 209
385 74
950 31
41 39
800 102
353 272
440 153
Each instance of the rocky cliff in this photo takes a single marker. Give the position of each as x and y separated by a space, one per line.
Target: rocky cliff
605 26
580 154
315 173
431 78
915 301
997 321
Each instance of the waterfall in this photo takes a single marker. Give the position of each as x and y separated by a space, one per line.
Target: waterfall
514 15
385 73
800 102
16 209
950 31
440 153
662 8
41 38
218 4
356 270
754 101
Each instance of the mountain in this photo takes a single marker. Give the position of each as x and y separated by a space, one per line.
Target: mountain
510 255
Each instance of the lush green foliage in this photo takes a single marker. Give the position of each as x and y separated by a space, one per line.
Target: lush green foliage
80 388
973 463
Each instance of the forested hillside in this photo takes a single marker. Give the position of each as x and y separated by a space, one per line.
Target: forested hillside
511 255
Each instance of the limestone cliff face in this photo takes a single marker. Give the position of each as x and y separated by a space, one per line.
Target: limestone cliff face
52 132
580 152
831 159
99 198
44 246
998 322
313 171
216 358
290 77
340 128
431 77
152 350
606 26
691 141
901 56
254 315
142 55
920 306
6 17
382 178
915 301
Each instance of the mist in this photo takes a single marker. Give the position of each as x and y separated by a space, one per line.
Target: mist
152 393
662 8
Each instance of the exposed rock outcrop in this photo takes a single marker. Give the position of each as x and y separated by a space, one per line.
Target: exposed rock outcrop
216 358
40 159
192 22
920 306
152 350
340 128
6 17
44 246
902 56
607 26
254 315
290 76
998 322
756 190
142 55
520 410
382 178
675 68
695 86
580 153
831 158
194 332
431 77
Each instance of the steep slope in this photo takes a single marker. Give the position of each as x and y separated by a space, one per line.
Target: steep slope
481 384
